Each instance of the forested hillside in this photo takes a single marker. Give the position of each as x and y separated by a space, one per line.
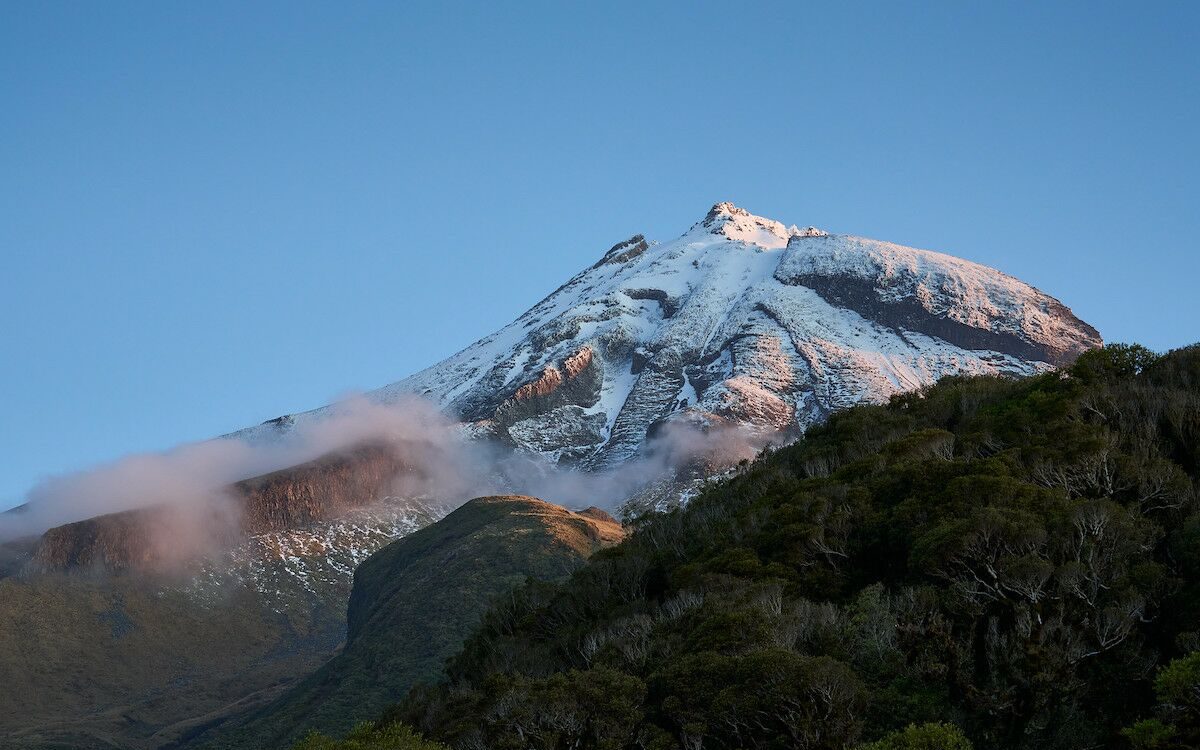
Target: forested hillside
990 562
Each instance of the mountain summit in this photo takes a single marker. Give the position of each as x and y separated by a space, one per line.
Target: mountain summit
741 320
739 225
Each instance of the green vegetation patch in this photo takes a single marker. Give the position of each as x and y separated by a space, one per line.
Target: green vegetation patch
988 562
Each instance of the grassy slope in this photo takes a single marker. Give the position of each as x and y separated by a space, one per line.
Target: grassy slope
148 659
416 600
116 662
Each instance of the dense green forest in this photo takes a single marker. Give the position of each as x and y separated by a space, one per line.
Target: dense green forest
988 563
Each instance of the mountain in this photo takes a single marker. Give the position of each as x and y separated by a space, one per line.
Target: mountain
739 323
416 600
741 320
993 562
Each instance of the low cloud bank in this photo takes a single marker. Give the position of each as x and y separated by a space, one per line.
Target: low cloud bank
198 474
193 480
678 449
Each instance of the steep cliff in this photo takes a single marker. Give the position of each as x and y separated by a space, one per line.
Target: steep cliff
293 498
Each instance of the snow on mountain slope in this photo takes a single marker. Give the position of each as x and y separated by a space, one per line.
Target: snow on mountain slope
740 320
297 567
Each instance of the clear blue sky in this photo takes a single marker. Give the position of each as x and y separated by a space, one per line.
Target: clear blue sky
215 213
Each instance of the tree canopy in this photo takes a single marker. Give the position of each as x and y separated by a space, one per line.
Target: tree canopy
987 562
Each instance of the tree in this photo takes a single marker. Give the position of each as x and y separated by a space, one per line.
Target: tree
932 736
1177 724
368 736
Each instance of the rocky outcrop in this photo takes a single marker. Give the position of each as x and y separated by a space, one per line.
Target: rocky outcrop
578 362
623 252
666 303
288 499
320 490
551 410
552 377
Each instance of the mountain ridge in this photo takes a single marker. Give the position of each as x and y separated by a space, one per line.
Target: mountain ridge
741 320
311 493
742 329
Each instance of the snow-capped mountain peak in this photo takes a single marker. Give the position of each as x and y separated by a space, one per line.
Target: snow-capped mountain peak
729 222
739 320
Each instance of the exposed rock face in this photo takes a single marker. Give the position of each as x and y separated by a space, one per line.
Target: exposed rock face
115 541
742 320
320 490
550 380
552 377
623 252
288 499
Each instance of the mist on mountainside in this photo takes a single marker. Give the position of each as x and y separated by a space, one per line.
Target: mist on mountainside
192 482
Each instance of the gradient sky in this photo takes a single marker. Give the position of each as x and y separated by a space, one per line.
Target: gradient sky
215 213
